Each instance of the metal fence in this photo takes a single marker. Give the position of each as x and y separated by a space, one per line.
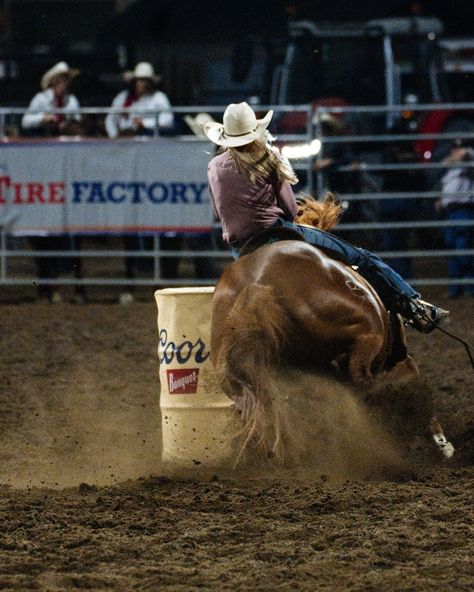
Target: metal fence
13 250
373 168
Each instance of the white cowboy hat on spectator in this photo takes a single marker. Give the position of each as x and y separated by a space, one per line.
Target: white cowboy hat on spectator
334 121
240 126
197 123
127 76
60 69
145 70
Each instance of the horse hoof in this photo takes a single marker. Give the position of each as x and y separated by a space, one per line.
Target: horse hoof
446 448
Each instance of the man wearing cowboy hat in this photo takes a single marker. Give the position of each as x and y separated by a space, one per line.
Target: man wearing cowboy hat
138 100
142 97
41 115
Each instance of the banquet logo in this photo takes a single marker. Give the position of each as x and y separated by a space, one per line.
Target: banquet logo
182 381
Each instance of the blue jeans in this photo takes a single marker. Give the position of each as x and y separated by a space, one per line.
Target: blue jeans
385 281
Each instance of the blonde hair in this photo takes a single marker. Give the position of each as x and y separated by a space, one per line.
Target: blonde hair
259 160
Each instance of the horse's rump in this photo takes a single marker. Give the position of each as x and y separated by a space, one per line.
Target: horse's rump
323 307
287 304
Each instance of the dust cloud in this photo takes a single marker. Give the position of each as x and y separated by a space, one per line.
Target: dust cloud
84 431
328 433
102 434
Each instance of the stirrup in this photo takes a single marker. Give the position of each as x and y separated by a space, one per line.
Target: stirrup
421 315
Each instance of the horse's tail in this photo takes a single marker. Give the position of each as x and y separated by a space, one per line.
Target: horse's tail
253 339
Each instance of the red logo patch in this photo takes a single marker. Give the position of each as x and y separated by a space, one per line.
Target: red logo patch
182 381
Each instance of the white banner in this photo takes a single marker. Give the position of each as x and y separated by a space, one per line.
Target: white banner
100 186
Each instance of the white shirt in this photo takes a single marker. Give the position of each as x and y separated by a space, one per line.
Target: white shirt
158 101
45 102
456 181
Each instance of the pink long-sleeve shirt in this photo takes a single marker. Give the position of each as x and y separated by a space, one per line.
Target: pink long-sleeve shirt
245 208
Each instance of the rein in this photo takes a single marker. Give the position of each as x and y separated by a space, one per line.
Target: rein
467 345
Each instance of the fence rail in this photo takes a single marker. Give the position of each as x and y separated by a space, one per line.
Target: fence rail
14 249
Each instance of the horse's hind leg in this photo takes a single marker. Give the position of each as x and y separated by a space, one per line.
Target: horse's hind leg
440 439
365 352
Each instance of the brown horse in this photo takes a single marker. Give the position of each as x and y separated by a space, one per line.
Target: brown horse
287 303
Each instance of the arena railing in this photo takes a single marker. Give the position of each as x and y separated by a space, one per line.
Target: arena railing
373 168
303 162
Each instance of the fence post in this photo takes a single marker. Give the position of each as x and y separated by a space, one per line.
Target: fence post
309 133
319 155
3 259
156 257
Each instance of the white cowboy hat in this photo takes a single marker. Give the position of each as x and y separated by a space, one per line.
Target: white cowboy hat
127 76
59 68
145 70
332 120
240 126
197 123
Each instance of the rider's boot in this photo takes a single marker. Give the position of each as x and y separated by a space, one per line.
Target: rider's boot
421 315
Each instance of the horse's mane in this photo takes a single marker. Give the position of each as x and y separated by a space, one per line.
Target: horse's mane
318 214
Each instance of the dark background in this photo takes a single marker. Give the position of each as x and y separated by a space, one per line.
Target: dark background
104 37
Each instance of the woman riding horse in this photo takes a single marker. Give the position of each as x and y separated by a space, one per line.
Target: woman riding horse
251 189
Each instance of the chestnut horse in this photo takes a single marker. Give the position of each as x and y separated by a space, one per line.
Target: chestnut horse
287 303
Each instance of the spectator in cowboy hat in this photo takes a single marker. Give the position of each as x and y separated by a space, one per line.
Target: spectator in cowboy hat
196 123
142 97
41 117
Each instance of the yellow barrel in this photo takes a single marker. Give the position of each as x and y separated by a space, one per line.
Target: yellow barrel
197 418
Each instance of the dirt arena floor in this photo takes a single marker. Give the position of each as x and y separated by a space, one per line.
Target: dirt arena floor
84 504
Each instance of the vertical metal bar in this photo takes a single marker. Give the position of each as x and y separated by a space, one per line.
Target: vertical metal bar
309 137
285 74
319 155
3 259
389 78
156 257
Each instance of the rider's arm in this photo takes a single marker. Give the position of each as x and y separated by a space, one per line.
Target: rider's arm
286 200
